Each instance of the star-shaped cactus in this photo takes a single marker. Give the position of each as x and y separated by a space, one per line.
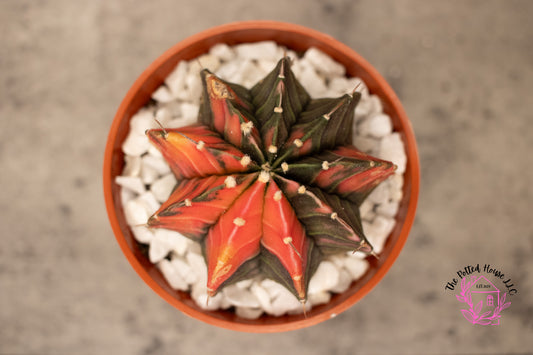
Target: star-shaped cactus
268 180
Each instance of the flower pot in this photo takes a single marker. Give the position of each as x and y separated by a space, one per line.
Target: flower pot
299 39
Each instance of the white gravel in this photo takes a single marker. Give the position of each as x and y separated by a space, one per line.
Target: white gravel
147 181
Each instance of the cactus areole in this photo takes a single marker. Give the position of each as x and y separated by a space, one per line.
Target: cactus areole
268 180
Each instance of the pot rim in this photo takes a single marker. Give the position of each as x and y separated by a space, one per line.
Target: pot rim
215 35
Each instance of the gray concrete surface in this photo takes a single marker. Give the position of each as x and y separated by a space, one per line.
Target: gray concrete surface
464 71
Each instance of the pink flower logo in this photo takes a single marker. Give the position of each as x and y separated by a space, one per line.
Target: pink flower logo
484 299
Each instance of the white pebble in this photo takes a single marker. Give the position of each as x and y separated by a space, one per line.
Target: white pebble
357 254
194 85
184 269
369 217
299 310
162 94
172 108
342 85
311 81
240 297
142 234
224 303
198 266
356 267
273 288
376 104
325 278
222 51
141 121
153 151
396 185
163 243
259 50
264 67
297 68
181 121
135 213
345 280
189 111
284 302
366 208
209 61
324 63
248 313
176 79
388 208
175 240
157 163
158 250
162 187
262 296
291 54
319 298
148 174
378 125
135 145
199 295
126 195
380 193
131 183
363 108
378 231
163 116
392 149
172 276
149 202
244 284
337 260
250 74
132 166
230 71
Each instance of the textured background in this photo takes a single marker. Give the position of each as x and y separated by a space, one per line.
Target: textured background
464 71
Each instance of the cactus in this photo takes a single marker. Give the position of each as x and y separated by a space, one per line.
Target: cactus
268 180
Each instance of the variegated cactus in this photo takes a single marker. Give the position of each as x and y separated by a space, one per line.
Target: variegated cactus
268 180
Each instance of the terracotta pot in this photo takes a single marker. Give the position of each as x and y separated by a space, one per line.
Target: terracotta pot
297 38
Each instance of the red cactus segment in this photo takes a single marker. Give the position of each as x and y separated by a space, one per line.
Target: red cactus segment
196 204
218 89
346 172
236 237
284 237
229 116
333 223
196 151
356 187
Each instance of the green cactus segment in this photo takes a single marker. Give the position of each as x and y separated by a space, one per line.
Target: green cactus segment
248 270
346 214
279 99
325 124
333 223
272 268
